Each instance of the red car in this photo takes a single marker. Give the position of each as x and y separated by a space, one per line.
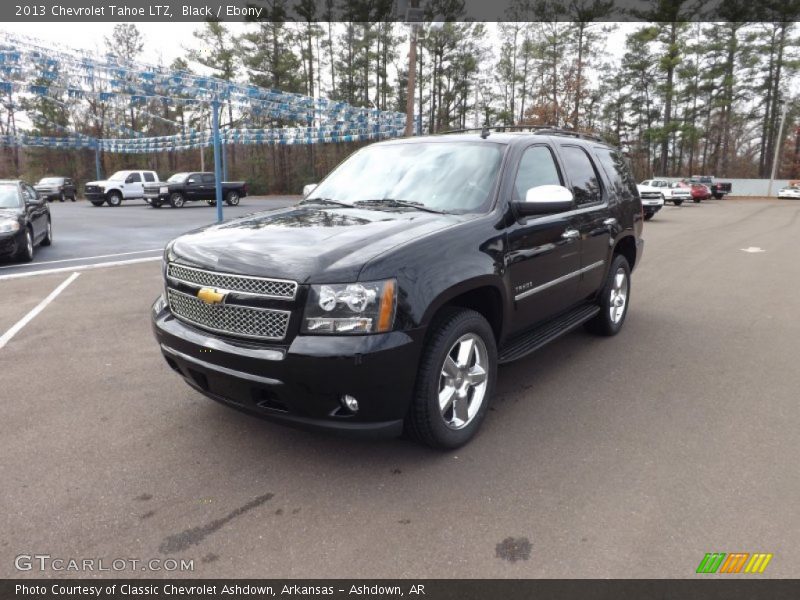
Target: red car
699 191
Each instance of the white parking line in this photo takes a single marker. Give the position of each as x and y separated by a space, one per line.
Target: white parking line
6 337
62 260
101 265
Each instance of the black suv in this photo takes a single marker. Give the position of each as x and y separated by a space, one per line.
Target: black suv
387 297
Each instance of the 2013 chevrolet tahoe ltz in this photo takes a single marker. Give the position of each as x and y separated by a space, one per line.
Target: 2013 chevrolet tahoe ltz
387 297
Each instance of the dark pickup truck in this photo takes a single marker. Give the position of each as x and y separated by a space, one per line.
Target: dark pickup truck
188 187
718 189
386 298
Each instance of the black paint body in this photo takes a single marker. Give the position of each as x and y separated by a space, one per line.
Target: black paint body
481 261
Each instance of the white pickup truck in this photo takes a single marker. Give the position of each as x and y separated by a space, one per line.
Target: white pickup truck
669 192
122 185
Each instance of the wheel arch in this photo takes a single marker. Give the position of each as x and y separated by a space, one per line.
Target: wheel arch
482 295
626 246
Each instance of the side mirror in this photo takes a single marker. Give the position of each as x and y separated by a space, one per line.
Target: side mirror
307 189
190 181
545 199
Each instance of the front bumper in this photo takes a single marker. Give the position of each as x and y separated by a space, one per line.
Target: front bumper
95 195
10 243
299 385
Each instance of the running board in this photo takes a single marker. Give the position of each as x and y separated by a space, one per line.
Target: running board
534 339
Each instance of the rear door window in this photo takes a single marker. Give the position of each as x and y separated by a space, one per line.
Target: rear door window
208 179
149 177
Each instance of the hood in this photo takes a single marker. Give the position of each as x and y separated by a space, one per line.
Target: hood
47 186
10 213
306 243
648 188
104 182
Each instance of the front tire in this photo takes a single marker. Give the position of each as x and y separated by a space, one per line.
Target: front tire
177 200
96 202
114 199
614 299
455 382
26 252
48 237
62 197
232 198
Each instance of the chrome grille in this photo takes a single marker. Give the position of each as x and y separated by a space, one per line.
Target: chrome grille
257 286
650 195
243 321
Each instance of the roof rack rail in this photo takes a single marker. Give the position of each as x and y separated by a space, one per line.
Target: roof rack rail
537 129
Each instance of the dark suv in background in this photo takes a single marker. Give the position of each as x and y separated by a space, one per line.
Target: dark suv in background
386 298
57 188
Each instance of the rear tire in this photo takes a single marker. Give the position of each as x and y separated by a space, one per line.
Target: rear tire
232 198
455 381
677 202
614 299
48 238
62 197
156 203
114 199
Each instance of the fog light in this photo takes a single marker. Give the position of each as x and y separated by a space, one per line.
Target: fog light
349 403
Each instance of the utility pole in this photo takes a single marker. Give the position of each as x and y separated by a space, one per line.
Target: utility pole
412 72
778 144
409 10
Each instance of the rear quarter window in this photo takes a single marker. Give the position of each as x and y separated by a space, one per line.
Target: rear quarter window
618 171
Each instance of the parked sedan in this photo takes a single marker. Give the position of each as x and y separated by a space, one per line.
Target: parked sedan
24 220
790 191
61 188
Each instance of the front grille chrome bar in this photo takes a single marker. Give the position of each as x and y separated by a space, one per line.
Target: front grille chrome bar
280 289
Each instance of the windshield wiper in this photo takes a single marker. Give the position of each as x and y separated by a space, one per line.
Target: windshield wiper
326 201
403 203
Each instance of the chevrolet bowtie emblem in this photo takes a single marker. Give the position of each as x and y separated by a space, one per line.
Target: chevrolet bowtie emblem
211 296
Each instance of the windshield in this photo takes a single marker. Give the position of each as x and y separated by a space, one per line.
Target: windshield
50 181
9 196
178 177
119 176
451 177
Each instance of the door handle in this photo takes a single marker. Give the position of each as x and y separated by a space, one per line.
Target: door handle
610 222
571 234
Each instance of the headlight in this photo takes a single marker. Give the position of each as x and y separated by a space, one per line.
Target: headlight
8 225
367 307
163 190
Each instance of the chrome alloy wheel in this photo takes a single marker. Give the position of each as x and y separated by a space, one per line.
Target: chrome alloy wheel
463 381
619 296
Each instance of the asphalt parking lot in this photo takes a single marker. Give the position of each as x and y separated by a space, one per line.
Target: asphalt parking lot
624 457
86 234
